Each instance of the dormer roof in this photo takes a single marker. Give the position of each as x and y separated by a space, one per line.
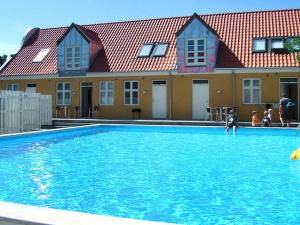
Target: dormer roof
196 16
88 35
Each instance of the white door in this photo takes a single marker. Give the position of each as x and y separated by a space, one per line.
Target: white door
200 99
31 88
159 99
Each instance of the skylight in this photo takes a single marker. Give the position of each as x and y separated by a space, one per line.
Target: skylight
42 54
160 49
259 45
146 50
277 44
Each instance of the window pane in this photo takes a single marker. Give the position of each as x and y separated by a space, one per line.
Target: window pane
59 98
146 50
77 65
127 97
191 54
247 96
110 98
200 54
259 45
190 42
160 49
135 85
200 42
67 86
190 48
59 86
77 60
67 98
190 60
77 51
247 84
200 60
69 52
256 96
110 85
103 86
135 97
15 87
200 48
103 98
255 83
277 44
127 85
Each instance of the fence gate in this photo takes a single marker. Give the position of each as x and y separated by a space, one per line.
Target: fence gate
21 111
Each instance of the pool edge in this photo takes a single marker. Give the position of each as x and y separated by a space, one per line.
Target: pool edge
19 214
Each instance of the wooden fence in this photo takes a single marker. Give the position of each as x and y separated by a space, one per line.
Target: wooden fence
21 111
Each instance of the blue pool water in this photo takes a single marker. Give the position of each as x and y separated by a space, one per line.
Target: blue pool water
183 175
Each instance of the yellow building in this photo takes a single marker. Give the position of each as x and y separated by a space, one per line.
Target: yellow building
171 68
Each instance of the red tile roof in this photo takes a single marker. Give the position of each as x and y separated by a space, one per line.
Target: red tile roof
123 40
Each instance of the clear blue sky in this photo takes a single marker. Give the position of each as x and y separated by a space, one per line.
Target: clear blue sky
16 16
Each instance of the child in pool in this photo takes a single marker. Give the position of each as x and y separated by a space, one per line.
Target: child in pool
266 120
255 119
231 121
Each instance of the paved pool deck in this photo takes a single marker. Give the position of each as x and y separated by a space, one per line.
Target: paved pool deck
66 122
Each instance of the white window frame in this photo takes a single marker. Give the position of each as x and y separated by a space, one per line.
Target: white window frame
14 85
196 51
73 58
63 91
131 90
106 91
251 90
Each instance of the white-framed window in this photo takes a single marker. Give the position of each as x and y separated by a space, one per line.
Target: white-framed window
12 87
63 94
196 52
131 92
251 91
73 57
106 93
259 45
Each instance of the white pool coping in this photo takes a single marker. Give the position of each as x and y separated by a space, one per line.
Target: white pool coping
18 214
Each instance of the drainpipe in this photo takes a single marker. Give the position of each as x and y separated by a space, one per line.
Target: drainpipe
233 90
170 95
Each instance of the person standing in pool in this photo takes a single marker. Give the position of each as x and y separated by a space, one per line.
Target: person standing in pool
284 114
231 121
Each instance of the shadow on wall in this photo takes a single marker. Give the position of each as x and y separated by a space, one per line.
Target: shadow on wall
226 58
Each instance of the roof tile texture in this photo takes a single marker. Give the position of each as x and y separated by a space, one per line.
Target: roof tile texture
123 40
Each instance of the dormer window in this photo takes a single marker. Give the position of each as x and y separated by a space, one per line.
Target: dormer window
146 50
259 45
196 52
277 44
73 58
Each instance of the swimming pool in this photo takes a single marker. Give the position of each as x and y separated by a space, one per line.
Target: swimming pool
184 175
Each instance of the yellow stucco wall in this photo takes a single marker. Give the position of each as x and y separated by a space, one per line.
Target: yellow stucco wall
221 92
